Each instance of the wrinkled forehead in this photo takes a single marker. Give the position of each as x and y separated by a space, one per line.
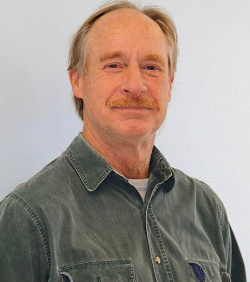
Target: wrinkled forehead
126 28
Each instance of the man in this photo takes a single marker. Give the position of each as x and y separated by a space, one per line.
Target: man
111 208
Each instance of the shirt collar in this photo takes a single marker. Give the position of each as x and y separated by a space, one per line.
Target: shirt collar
159 167
92 168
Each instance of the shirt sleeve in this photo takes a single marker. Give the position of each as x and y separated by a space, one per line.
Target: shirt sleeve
233 259
236 263
23 254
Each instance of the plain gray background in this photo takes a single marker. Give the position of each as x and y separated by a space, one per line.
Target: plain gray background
206 133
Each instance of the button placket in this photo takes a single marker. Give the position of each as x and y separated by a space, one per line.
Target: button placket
160 260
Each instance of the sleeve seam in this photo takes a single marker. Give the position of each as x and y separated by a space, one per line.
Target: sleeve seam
222 216
37 222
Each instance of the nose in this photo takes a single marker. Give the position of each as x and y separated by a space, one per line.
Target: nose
133 81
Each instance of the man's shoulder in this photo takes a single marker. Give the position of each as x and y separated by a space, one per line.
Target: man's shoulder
48 185
42 199
193 187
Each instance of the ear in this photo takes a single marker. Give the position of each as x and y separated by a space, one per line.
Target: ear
170 88
76 81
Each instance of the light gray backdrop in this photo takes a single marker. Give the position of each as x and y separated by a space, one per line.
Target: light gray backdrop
206 133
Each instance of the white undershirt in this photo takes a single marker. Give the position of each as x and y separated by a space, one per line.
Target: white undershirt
140 184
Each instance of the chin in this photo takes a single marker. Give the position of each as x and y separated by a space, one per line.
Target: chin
133 129
137 132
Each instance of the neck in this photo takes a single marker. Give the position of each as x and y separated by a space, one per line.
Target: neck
129 158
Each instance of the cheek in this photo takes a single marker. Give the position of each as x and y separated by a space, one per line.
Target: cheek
162 95
163 102
95 102
159 86
102 89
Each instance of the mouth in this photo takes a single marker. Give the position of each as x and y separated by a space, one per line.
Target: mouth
133 112
132 108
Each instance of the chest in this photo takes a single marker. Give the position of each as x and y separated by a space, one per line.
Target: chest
114 237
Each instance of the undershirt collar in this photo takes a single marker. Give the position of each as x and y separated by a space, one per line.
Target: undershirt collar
140 184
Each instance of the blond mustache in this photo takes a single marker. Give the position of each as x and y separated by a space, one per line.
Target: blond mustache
131 102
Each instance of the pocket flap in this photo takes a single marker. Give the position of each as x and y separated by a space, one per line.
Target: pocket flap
98 271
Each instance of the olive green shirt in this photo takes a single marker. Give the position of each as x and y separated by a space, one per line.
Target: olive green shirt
78 220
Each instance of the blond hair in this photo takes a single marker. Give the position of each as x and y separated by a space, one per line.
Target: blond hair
78 49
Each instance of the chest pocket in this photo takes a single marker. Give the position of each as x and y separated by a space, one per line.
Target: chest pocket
204 271
98 271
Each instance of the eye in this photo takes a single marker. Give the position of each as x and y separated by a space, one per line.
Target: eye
153 68
113 66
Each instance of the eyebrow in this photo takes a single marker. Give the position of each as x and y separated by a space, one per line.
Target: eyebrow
111 55
155 57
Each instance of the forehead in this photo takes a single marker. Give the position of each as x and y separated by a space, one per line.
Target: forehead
126 28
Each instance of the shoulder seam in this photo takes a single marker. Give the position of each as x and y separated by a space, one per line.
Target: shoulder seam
222 215
47 167
37 221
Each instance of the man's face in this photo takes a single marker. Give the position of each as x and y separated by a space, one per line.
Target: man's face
127 86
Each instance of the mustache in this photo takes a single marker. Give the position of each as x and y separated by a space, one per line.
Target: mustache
133 102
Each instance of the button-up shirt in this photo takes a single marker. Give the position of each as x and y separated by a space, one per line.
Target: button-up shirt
79 220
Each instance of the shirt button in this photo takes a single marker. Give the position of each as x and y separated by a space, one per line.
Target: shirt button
157 260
